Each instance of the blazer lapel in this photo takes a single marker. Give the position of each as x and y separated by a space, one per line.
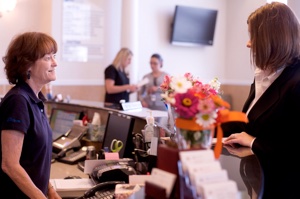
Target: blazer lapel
270 96
250 98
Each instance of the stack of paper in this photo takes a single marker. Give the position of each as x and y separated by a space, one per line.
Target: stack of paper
72 187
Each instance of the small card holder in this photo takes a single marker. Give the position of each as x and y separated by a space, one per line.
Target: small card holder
153 191
128 106
167 157
186 190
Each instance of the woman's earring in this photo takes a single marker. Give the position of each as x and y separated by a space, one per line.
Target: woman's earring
28 74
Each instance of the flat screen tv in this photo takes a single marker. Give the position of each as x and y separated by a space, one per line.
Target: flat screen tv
193 26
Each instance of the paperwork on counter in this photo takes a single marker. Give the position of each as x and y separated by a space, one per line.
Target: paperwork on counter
72 187
144 112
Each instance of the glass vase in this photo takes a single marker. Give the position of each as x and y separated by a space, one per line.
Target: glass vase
190 135
190 139
171 120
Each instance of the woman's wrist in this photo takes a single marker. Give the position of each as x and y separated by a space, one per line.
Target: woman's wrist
252 142
50 186
251 145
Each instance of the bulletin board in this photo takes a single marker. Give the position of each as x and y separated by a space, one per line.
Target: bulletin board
88 38
82 31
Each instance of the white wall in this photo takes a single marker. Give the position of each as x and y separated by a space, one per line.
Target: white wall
238 69
154 36
227 59
29 15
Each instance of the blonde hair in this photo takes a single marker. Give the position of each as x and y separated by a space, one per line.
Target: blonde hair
274 35
123 54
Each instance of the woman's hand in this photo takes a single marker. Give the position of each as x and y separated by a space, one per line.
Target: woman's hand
144 104
240 151
132 88
243 139
52 194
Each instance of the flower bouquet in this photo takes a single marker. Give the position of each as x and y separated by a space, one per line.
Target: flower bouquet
198 110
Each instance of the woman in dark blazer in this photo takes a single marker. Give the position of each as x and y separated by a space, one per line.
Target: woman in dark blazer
273 103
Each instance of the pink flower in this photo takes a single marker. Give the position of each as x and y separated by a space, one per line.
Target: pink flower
206 106
186 104
197 84
192 98
189 76
165 86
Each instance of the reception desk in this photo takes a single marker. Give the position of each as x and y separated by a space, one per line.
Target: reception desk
245 171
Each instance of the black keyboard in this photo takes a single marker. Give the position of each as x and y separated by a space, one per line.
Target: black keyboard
107 194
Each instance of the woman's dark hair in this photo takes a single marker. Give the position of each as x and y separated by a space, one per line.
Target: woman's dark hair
274 36
23 51
159 57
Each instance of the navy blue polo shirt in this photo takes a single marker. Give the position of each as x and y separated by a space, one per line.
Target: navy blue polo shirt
23 111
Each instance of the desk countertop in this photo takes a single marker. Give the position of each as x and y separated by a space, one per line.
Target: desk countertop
61 170
141 113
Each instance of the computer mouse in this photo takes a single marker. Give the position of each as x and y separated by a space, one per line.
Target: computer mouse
72 177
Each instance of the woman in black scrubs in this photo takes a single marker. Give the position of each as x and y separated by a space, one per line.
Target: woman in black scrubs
117 84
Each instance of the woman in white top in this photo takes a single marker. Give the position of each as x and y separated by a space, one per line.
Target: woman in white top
150 94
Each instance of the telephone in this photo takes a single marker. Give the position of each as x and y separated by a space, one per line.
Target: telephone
112 171
69 144
104 190
72 155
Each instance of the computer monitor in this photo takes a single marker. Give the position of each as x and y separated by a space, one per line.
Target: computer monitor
120 127
61 121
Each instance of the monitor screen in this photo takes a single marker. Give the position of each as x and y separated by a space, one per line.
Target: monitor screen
193 26
61 121
120 127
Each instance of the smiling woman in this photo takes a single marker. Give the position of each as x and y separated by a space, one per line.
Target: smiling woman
29 65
